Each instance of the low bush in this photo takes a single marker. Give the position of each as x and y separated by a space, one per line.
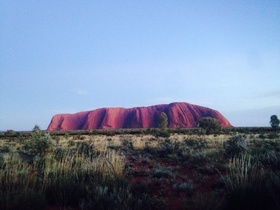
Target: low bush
235 145
39 144
221 182
272 135
164 149
162 133
162 173
196 144
4 149
262 136
187 187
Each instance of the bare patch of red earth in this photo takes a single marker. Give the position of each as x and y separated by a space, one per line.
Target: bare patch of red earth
163 188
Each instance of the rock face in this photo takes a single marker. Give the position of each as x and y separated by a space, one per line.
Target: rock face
181 114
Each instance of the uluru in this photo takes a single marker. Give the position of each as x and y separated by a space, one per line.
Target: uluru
180 115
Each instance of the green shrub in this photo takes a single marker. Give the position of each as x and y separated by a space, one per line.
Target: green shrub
268 153
162 173
163 133
209 125
4 149
221 182
235 145
166 149
197 159
187 187
127 144
262 136
9 133
196 144
272 135
39 144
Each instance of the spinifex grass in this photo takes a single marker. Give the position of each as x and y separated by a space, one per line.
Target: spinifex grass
68 179
242 172
62 180
248 186
20 186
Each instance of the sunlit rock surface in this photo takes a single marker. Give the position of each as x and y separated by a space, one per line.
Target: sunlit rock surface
179 114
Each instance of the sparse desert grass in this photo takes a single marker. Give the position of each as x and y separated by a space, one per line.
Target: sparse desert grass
19 185
44 173
98 169
65 179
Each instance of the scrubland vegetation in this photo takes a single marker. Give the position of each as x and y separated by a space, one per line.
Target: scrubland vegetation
235 168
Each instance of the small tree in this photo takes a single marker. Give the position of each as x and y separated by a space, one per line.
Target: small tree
9 133
36 129
208 124
274 121
162 121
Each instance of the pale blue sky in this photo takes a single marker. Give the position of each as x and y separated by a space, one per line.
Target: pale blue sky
70 56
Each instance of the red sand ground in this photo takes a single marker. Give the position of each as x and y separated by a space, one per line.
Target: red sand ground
165 189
